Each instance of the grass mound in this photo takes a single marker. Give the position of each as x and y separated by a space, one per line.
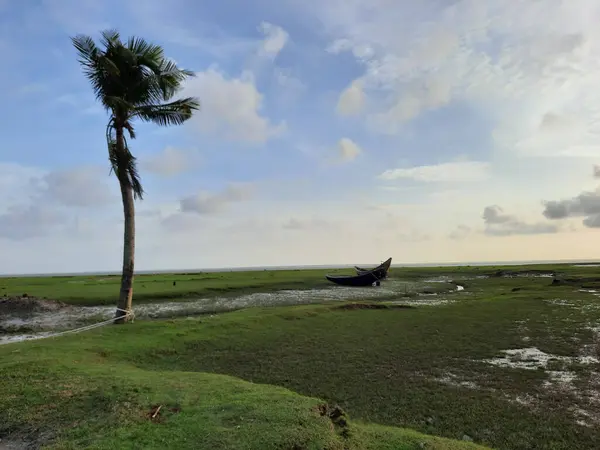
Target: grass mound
86 391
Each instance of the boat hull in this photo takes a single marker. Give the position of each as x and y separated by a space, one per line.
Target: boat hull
362 280
380 271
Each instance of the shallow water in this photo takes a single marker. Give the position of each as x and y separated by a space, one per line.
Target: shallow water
42 324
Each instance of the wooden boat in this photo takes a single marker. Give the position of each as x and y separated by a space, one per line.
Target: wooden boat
363 279
380 271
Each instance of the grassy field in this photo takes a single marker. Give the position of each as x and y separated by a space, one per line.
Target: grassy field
425 369
103 289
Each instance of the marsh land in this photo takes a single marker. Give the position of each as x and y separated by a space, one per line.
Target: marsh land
286 360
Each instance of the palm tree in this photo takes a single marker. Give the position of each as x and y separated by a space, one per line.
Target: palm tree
133 81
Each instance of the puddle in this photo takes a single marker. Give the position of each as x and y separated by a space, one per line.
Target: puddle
561 302
533 358
38 323
435 301
451 379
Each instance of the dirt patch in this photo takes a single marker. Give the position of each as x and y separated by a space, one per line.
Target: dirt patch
28 305
355 306
338 418
158 413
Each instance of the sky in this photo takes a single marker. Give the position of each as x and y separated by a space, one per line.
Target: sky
330 132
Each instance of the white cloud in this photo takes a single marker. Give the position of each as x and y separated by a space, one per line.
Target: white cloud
275 39
230 107
351 100
513 63
348 150
466 171
170 161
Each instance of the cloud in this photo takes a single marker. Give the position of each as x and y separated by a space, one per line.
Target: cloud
460 232
275 39
464 171
230 108
289 85
517 65
170 161
78 187
37 203
25 222
498 223
206 203
586 204
348 150
351 100
310 224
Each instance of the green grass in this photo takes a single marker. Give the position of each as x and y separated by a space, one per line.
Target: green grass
388 367
103 289
88 391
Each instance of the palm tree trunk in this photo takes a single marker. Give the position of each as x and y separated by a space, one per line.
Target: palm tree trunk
126 293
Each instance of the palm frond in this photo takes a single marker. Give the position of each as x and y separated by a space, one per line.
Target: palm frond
129 127
173 113
132 80
86 49
125 167
110 38
150 54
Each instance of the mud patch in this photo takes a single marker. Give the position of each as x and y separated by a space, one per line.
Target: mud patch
337 416
159 413
355 306
60 317
28 305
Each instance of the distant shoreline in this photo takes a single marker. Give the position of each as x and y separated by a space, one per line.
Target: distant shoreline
302 267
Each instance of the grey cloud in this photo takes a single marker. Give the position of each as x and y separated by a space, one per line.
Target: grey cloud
40 210
211 203
585 204
82 187
592 221
306 224
20 223
498 223
494 215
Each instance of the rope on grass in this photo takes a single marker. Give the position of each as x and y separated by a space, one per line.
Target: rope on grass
128 313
